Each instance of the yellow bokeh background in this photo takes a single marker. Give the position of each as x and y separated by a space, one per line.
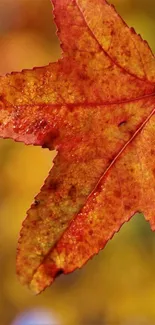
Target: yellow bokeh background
117 287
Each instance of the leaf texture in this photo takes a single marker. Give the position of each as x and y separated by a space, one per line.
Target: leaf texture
96 107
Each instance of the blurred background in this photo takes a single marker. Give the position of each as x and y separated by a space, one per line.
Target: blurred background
117 287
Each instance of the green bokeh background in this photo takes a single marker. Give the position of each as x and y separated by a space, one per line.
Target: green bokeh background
117 287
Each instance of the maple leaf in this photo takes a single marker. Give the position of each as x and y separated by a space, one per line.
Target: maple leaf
96 107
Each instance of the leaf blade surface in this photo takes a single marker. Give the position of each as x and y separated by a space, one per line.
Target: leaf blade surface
93 106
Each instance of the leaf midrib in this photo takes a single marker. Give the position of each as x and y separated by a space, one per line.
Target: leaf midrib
103 103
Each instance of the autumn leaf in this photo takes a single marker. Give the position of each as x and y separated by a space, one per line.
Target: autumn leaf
96 107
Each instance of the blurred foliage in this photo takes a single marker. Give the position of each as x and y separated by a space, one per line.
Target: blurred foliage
117 287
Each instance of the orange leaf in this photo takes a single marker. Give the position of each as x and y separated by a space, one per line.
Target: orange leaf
96 107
